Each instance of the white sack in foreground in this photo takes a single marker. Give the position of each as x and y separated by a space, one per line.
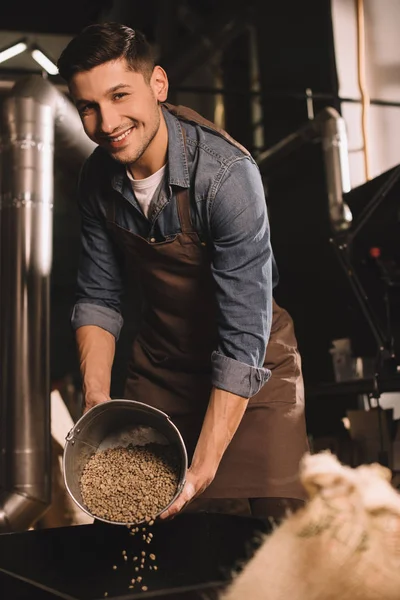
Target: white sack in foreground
344 545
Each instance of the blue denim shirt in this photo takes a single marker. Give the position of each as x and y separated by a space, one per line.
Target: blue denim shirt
228 209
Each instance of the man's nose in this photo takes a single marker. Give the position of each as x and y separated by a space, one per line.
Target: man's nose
109 119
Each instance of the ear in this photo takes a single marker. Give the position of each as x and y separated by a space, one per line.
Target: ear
159 83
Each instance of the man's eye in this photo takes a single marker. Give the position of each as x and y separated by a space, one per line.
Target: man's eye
119 96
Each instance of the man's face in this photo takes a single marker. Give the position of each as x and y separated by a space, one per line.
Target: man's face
119 108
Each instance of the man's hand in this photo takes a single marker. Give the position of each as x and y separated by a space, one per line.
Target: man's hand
224 413
194 486
94 398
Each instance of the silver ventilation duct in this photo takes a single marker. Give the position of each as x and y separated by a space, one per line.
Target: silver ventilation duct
32 112
337 169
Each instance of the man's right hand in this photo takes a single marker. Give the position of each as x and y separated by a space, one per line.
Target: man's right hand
93 398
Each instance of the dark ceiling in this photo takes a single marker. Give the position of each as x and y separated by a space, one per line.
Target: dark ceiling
50 17
68 18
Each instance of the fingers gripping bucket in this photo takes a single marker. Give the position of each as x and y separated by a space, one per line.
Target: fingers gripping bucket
114 424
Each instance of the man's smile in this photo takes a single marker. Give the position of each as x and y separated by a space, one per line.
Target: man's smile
117 141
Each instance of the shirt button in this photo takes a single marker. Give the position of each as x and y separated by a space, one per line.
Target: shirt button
203 243
152 240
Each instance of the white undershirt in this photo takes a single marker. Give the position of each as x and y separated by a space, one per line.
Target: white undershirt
144 188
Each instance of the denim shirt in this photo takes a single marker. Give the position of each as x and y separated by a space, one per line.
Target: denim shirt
228 209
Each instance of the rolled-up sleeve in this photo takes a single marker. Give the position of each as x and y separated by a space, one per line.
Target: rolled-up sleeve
99 280
85 313
242 271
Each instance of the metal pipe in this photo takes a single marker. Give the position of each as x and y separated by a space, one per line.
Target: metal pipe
330 127
337 170
32 113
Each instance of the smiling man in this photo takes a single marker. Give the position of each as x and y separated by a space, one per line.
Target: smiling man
179 206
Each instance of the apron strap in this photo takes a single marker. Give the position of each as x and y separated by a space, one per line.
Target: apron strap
183 205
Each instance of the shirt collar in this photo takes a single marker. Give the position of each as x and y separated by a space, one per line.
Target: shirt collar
177 155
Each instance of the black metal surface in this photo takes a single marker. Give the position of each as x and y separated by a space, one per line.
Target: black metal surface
13 587
193 552
18 588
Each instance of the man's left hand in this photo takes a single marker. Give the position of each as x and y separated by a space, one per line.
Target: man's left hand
194 486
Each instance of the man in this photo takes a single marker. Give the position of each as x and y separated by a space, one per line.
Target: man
178 206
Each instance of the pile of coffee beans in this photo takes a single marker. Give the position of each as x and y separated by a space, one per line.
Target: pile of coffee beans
132 484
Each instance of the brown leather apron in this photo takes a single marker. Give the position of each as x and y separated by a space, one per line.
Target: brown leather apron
170 366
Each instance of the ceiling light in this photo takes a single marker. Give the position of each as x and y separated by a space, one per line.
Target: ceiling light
44 62
12 51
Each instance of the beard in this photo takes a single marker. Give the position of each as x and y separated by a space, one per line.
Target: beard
132 155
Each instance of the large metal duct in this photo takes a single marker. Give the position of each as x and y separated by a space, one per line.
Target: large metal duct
32 112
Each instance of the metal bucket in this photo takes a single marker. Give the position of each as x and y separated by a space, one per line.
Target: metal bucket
114 424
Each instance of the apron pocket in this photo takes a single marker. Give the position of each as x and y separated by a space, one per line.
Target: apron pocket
286 381
282 359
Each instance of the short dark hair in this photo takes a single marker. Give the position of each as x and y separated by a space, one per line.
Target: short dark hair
103 42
